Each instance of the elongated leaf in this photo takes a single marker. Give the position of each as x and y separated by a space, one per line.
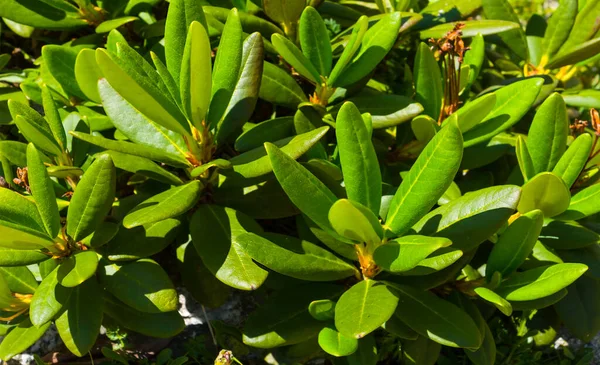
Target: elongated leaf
566 235
161 325
18 237
42 191
574 159
515 244
559 26
296 258
168 204
472 218
421 351
387 110
548 134
284 318
60 61
142 166
42 15
14 152
471 28
436 318
20 339
362 176
216 235
363 308
427 180
474 112
53 118
250 23
13 257
355 222
20 211
428 82
576 54
314 40
515 39
375 45
143 285
584 28
270 130
474 59
358 32
540 282
490 296
583 204
512 102
336 344
38 136
279 88
48 300
87 74
405 253
79 325
77 268
292 55
93 198
524 159
546 192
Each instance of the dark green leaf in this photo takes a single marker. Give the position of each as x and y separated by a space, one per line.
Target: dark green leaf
515 39
279 88
314 40
428 82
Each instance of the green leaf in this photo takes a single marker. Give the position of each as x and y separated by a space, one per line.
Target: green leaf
215 234
20 211
195 79
405 253
179 17
92 199
355 222
270 130
53 118
20 237
14 257
436 318
42 15
42 191
168 204
143 285
336 344
512 102
77 268
546 192
283 319
584 28
19 279
161 325
567 235
142 95
250 23
79 325
279 87
298 184
583 204
438 261
540 282
314 40
428 82
427 180
515 39
559 26
471 29
354 42
20 339
292 55
245 94
362 177
387 110
166 77
474 58
227 66
421 351
486 354
108 25
524 159
48 300
474 112
322 310
142 166
548 134
490 296
366 354
577 309
574 159
375 45
363 308
135 149
284 11
515 244
576 54
60 61
87 74
472 218
14 152
294 257
38 136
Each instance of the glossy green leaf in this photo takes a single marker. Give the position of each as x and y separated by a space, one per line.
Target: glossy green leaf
567 235
515 39
215 234
387 110
60 61
18 237
548 134
20 339
168 204
512 102
218 163
314 40
279 87
322 310
53 118
490 296
474 58
474 112
20 211
363 308
534 32
515 244
108 25
471 28
284 11
427 180
161 325
559 26
15 257
524 159
362 177
42 191
77 268
19 279
584 28
429 90
336 344
79 325
540 282
14 152
42 15
574 159
405 253
294 257
436 318
38 136
142 166
376 43
546 192
93 198
472 218
354 42
577 309
143 285
195 76
49 298
292 55
439 260
270 130
87 74
250 23
355 222
583 204
576 54
284 318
